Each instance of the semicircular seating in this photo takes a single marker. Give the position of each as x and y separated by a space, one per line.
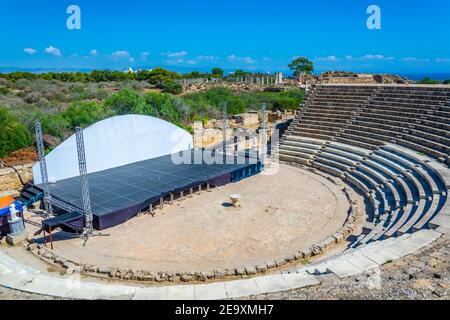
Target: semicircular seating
391 143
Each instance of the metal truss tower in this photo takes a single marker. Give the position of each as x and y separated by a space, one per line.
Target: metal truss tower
43 168
263 134
225 127
88 217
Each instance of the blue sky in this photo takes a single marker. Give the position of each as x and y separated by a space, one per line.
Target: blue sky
250 34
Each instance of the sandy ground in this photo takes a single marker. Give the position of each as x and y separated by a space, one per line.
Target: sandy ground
280 214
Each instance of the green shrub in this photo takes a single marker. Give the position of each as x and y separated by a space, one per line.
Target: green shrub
161 105
215 97
126 101
56 125
428 81
172 87
84 113
13 135
4 90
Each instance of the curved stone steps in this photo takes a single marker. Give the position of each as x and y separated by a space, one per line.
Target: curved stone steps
427 217
337 158
347 138
402 129
404 191
399 177
291 147
440 174
368 143
409 211
380 119
427 186
353 150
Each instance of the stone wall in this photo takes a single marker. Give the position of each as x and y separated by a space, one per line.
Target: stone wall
208 137
9 179
247 119
368 79
241 87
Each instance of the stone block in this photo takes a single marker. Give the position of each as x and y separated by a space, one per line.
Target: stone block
273 283
261 267
342 268
250 270
213 291
241 288
18 239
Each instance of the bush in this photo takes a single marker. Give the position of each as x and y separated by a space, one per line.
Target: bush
428 81
161 105
85 113
215 97
172 87
4 90
126 101
13 135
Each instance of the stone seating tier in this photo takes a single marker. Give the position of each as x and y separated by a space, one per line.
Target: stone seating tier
403 195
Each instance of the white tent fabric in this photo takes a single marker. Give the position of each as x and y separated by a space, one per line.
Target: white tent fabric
114 142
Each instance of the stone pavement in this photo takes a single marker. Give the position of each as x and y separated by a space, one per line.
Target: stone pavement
363 262
423 275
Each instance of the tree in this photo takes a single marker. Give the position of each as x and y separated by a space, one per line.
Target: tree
427 80
217 73
240 73
301 66
158 76
13 135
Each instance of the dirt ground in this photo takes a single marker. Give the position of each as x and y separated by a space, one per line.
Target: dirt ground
20 157
280 215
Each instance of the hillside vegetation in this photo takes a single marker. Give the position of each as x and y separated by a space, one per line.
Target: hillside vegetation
63 105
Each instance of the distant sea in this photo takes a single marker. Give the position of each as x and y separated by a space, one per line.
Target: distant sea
410 76
433 76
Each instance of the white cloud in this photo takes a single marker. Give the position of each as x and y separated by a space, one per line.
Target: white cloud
376 57
442 59
54 51
192 62
416 60
247 60
178 54
328 58
349 57
207 58
120 54
145 55
174 61
93 53
30 51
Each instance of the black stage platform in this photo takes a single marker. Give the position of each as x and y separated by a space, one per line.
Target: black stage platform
120 193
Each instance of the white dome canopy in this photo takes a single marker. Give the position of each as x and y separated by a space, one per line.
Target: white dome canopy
114 142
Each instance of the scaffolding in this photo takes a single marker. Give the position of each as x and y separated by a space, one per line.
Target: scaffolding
263 134
43 168
84 181
224 127
49 201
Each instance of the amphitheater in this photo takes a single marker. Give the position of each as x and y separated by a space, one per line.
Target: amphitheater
363 180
